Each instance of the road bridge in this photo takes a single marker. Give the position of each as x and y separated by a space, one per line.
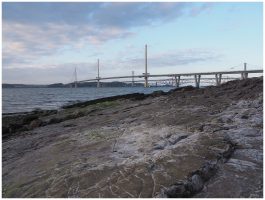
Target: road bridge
171 82
197 77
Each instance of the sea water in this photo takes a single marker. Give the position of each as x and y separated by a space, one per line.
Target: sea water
16 100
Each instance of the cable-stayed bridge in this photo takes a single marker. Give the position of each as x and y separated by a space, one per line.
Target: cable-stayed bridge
175 79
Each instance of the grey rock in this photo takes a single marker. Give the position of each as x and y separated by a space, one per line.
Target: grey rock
176 138
257 121
162 194
241 165
249 132
5 130
253 155
35 123
226 119
160 145
29 118
14 127
197 183
207 171
55 120
245 116
176 191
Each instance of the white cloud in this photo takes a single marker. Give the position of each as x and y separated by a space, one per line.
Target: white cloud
50 73
24 43
33 33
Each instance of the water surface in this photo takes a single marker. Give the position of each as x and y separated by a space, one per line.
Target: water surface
27 99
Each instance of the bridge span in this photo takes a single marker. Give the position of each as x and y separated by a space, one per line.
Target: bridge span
177 77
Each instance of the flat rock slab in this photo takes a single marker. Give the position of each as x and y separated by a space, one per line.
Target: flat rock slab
85 165
142 147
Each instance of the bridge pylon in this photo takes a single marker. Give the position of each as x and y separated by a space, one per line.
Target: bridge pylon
132 78
98 78
197 80
244 75
146 74
75 78
218 78
177 81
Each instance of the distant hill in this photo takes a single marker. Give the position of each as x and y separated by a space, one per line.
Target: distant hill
6 85
61 85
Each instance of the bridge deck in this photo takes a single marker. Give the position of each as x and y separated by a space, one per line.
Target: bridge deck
173 75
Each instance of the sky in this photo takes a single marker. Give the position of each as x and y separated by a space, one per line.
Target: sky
44 42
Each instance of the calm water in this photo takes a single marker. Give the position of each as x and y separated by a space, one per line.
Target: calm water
28 99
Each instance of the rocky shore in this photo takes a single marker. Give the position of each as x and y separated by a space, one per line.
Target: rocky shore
188 142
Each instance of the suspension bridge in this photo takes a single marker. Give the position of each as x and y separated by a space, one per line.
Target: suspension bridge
174 79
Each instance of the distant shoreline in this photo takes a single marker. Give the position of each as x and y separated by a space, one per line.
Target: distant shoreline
28 86
69 85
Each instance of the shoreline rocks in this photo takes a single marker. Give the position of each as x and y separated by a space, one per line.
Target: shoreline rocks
186 143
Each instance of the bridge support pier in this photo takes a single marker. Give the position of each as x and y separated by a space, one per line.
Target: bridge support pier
132 78
146 81
98 78
146 74
177 81
244 75
218 78
197 80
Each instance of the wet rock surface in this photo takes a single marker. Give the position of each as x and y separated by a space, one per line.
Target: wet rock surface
188 142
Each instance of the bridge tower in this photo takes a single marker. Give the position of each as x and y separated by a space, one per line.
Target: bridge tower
98 78
132 78
146 75
177 81
244 75
75 78
218 78
197 80
245 69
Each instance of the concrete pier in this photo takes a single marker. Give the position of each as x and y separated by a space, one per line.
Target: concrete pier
146 75
98 78
197 80
244 75
132 78
218 78
177 81
75 78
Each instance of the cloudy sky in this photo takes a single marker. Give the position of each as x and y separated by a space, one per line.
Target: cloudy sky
44 42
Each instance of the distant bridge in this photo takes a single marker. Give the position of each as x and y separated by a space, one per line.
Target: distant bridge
178 78
171 81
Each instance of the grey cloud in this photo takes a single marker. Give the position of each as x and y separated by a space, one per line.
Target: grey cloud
137 14
47 12
24 42
32 31
99 14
